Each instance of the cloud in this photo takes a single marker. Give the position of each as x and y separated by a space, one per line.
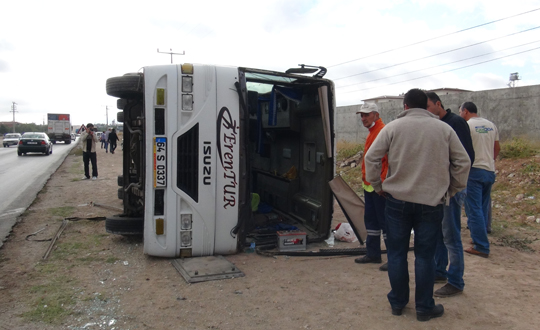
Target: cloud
58 60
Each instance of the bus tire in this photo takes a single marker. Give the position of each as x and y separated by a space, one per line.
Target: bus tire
120 180
129 86
121 193
124 226
120 116
121 103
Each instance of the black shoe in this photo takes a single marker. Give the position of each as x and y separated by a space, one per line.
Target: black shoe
384 268
437 311
448 290
397 311
440 279
367 260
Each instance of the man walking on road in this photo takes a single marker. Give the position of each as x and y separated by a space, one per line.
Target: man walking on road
106 139
485 138
112 138
418 146
449 245
375 204
88 140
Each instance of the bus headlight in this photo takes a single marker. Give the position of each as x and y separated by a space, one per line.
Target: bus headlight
185 238
187 84
185 222
187 102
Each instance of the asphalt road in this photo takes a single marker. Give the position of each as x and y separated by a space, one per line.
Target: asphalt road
21 178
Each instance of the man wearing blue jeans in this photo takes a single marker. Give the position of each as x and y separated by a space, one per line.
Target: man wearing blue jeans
418 146
449 240
485 137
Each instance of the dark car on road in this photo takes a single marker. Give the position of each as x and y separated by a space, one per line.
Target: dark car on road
34 142
11 139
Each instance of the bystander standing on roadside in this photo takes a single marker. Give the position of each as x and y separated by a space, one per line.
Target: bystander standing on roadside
106 138
88 141
418 146
449 245
374 203
112 140
102 140
485 138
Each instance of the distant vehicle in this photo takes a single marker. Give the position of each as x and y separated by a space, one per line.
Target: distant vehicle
59 127
34 142
11 139
73 136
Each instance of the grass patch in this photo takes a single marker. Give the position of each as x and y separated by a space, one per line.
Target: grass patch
353 177
76 151
97 238
75 167
63 211
52 301
347 149
89 259
111 260
531 168
47 268
522 244
80 250
517 148
64 250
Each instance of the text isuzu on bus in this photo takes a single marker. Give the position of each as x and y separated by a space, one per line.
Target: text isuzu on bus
216 157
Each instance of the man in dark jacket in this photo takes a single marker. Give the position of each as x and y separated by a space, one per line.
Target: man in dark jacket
449 244
112 140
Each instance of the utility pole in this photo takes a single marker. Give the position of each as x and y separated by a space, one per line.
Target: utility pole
107 117
170 52
13 109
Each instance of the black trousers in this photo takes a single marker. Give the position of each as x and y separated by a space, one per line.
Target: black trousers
87 158
113 146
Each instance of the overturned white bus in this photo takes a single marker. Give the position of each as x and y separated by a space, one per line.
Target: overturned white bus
216 157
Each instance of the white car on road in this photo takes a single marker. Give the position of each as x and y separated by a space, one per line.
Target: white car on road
11 139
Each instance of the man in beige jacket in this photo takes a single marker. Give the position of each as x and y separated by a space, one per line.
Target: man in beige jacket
88 140
420 147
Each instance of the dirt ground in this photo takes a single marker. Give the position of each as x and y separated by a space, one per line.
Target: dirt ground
96 280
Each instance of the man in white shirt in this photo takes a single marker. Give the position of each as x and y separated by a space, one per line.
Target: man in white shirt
485 137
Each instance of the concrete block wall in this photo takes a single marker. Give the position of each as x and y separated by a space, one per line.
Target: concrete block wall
515 111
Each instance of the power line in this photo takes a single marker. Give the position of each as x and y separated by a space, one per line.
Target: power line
439 65
445 52
434 38
430 75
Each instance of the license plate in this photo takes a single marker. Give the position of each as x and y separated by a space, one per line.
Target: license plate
31 142
160 162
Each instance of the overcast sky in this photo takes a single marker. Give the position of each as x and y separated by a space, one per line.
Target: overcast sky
55 56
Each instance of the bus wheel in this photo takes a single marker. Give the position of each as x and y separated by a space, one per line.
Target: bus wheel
121 103
124 226
129 86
